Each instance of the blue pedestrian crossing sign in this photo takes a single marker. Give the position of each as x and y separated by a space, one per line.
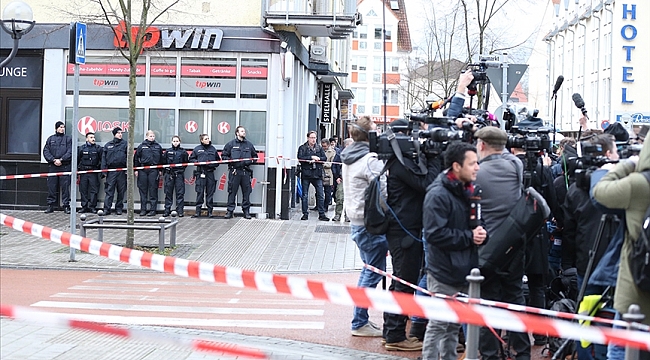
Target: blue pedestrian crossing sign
80 43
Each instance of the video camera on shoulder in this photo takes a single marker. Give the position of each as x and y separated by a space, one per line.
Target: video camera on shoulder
592 158
535 141
479 73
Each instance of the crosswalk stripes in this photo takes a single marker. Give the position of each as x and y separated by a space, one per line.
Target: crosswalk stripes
163 300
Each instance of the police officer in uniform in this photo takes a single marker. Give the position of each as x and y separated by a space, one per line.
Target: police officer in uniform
204 174
175 176
114 157
148 153
239 172
58 153
89 158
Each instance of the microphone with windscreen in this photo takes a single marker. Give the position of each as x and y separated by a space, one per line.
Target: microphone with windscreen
580 104
558 84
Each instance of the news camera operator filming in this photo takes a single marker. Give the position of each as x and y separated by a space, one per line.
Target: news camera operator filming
407 182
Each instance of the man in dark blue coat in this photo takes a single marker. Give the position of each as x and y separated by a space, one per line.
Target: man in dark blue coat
239 172
311 157
452 238
58 154
114 157
89 157
148 153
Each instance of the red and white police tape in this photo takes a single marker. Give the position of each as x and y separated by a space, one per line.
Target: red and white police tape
513 307
67 321
386 301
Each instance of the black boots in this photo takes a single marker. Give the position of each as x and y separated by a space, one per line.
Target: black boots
50 209
229 215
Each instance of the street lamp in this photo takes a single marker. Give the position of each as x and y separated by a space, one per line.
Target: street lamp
17 20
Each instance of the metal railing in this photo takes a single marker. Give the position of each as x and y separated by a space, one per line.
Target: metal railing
161 225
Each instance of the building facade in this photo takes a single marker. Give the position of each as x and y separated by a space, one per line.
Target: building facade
191 79
601 48
368 64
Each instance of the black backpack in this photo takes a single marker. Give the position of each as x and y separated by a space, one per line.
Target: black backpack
375 218
554 344
640 256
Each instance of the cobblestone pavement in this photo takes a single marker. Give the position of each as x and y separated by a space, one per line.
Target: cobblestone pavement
262 245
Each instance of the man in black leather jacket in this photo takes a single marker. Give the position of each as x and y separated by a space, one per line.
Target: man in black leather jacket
311 157
407 184
239 172
58 154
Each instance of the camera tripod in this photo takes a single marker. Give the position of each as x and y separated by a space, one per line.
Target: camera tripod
604 220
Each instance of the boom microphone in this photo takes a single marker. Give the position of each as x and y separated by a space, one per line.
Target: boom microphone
558 84
580 104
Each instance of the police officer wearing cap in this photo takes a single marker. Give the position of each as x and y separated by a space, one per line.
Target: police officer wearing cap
175 176
89 158
58 153
239 172
148 153
114 157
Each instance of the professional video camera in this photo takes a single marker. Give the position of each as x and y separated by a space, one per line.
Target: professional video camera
480 74
592 158
628 150
412 141
535 141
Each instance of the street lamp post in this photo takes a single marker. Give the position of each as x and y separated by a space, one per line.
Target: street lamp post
17 20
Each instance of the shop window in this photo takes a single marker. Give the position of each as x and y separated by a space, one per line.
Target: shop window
209 77
254 74
223 127
162 81
102 121
190 126
105 76
163 124
255 124
23 115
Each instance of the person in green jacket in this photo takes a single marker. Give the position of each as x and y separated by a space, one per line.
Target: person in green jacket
624 187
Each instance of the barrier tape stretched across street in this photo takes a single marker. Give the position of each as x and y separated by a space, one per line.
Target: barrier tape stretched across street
66 321
513 307
385 301
62 173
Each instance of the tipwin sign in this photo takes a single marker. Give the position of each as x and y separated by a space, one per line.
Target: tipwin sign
155 38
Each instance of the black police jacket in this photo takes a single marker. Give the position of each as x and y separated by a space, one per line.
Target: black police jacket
148 153
205 153
58 146
176 155
114 155
89 157
311 170
406 190
451 252
239 149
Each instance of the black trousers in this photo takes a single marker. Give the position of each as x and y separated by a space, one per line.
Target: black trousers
115 179
406 254
239 178
205 186
56 182
175 182
89 187
506 286
327 189
148 187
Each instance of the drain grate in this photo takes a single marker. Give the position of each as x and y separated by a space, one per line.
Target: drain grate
332 229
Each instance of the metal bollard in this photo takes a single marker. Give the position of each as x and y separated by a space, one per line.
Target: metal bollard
100 231
172 230
471 338
632 316
82 229
161 234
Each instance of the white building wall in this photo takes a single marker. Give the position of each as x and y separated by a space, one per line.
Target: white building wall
597 60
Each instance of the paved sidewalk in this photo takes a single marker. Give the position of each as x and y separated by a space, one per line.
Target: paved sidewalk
291 246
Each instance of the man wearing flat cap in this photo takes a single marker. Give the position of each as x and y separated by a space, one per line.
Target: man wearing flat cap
58 154
115 157
501 178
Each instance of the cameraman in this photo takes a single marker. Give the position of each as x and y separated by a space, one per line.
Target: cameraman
406 184
500 176
582 220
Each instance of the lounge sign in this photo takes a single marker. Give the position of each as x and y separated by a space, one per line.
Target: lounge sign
175 39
